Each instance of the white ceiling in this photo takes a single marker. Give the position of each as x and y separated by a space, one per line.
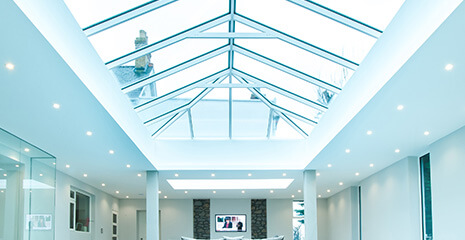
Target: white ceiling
44 75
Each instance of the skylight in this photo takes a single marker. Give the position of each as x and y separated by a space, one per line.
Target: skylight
232 69
218 184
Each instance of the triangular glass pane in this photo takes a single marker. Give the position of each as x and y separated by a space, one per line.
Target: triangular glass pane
309 26
280 129
307 128
222 28
158 25
210 116
242 28
179 129
250 116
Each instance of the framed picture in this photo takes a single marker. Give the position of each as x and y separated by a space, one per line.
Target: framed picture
230 223
38 221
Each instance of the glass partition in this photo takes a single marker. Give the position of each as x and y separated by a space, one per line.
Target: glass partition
27 190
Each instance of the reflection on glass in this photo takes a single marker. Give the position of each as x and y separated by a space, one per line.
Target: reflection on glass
82 212
308 26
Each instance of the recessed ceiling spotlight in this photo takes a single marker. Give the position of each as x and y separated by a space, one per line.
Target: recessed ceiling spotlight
5 174
2 191
185 192
56 106
128 165
271 191
127 196
299 190
292 196
27 149
9 66
103 185
449 67
89 133
16 165
341 183
318 174
328 190
284 174
369 132
250 174
330 165
117 192
139 175
347 150
426 133
67 166
165 197
111 152
397 151
213 175
54 163
159 192
41 175
319 195
372 165
85 174
400 107
214 191
243 191
176 175
356 174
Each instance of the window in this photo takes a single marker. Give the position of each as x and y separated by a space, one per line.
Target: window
298 225
79 211
425 171
115 226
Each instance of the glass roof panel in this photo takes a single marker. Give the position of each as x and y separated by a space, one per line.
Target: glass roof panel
250 116
376 13
210 117
308 26
276 77
307 128
88 12
119 40
179 129
154 126
299 59
282 130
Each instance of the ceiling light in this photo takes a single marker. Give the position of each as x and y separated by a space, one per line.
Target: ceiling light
128 165
284 174
319 195
159 192
214 191
397 150
127 196
111 152
103 184
2 191
176 175
426 133
317 174
243 191
299 190
16 165
5 175
185 192
117 192
213 174
271 191
165 196
85 174
400 107
89 133
239 184
27 149
328 190
250 174
292 196
341 183
54 163
372 165
67 166
41 175
356 174
369 132
330 165
347 150
449 67
139 175
10 66
56 106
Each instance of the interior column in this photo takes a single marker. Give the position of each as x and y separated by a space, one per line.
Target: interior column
310 199
152 206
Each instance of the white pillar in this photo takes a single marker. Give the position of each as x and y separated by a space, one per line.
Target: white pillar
152 206
310 200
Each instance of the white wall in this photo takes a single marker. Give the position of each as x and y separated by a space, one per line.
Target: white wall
343 214
176 218
391 203
102 209
279 217
447 181
229 206
322 218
